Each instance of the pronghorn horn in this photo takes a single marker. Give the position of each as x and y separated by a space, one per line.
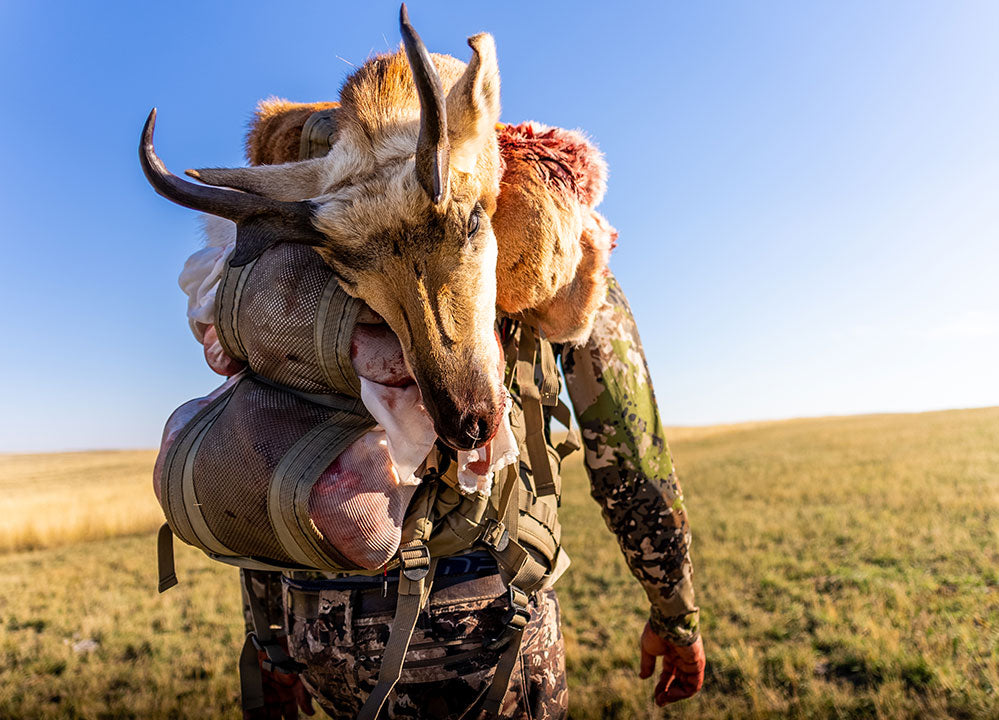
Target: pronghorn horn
432 149
260 221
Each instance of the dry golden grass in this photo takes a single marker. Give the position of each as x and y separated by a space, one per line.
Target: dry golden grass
57 499
845 567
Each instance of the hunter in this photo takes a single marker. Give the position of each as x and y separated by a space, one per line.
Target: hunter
337 626
466 624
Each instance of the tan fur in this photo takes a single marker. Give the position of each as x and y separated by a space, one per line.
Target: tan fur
552 250
569 315
538 232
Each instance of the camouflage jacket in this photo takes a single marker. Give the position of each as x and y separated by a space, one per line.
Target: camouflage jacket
629 464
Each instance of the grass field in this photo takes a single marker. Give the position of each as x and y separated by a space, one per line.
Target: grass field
845 567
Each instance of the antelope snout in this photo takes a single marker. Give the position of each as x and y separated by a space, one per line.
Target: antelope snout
475 427
464 424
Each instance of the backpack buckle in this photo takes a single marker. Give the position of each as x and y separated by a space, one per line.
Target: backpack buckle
415 562
495 536
515 620
287 666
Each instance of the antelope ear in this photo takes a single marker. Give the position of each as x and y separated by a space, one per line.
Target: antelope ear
473 105
289 182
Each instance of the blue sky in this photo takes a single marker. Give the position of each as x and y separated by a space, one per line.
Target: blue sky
806 192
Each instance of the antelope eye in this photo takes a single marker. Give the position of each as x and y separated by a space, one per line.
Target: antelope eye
473 222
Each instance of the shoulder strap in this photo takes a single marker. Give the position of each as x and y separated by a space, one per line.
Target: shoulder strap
263 639
532 398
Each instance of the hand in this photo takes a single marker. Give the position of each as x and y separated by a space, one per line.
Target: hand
683 666
284 696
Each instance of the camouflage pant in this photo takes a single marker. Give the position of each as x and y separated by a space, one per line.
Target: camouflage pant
341 634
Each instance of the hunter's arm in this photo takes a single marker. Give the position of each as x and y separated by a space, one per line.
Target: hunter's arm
629 464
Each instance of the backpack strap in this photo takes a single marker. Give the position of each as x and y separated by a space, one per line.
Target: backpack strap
573 441
261 639
227 299
416 575
164 558
295 475
532 398
180 502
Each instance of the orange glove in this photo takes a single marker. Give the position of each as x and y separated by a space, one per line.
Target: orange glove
683 666
284 696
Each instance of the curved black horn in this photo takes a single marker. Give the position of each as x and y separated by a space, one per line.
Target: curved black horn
432 149
260 221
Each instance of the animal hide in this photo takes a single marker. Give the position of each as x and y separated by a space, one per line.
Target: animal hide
553 244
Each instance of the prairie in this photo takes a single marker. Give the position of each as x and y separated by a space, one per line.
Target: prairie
845 568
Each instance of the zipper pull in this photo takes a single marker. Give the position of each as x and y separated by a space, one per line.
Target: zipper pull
385 582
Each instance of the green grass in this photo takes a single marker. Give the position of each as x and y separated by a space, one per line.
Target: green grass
845 568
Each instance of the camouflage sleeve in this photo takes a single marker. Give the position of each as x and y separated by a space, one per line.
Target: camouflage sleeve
629 464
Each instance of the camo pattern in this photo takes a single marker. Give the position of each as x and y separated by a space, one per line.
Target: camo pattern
447 668
629 463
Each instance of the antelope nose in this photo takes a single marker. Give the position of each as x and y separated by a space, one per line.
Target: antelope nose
475 430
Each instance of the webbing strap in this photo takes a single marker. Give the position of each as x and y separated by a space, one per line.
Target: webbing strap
227 299
176 500
573 441
501 678
164 558
534 419
416 575
335 320
549 374
335 401
262 638
292 482
518 566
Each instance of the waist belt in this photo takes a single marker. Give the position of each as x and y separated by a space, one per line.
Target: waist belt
475 564
370 597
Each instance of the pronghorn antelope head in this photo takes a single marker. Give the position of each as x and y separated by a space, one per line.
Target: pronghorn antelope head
400 209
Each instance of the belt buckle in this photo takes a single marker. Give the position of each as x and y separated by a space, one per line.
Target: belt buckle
415 567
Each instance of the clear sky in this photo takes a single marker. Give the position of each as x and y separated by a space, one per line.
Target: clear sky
807 193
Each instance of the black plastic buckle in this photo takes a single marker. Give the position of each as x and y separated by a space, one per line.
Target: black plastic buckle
415 567
288 666
515 620
495 535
